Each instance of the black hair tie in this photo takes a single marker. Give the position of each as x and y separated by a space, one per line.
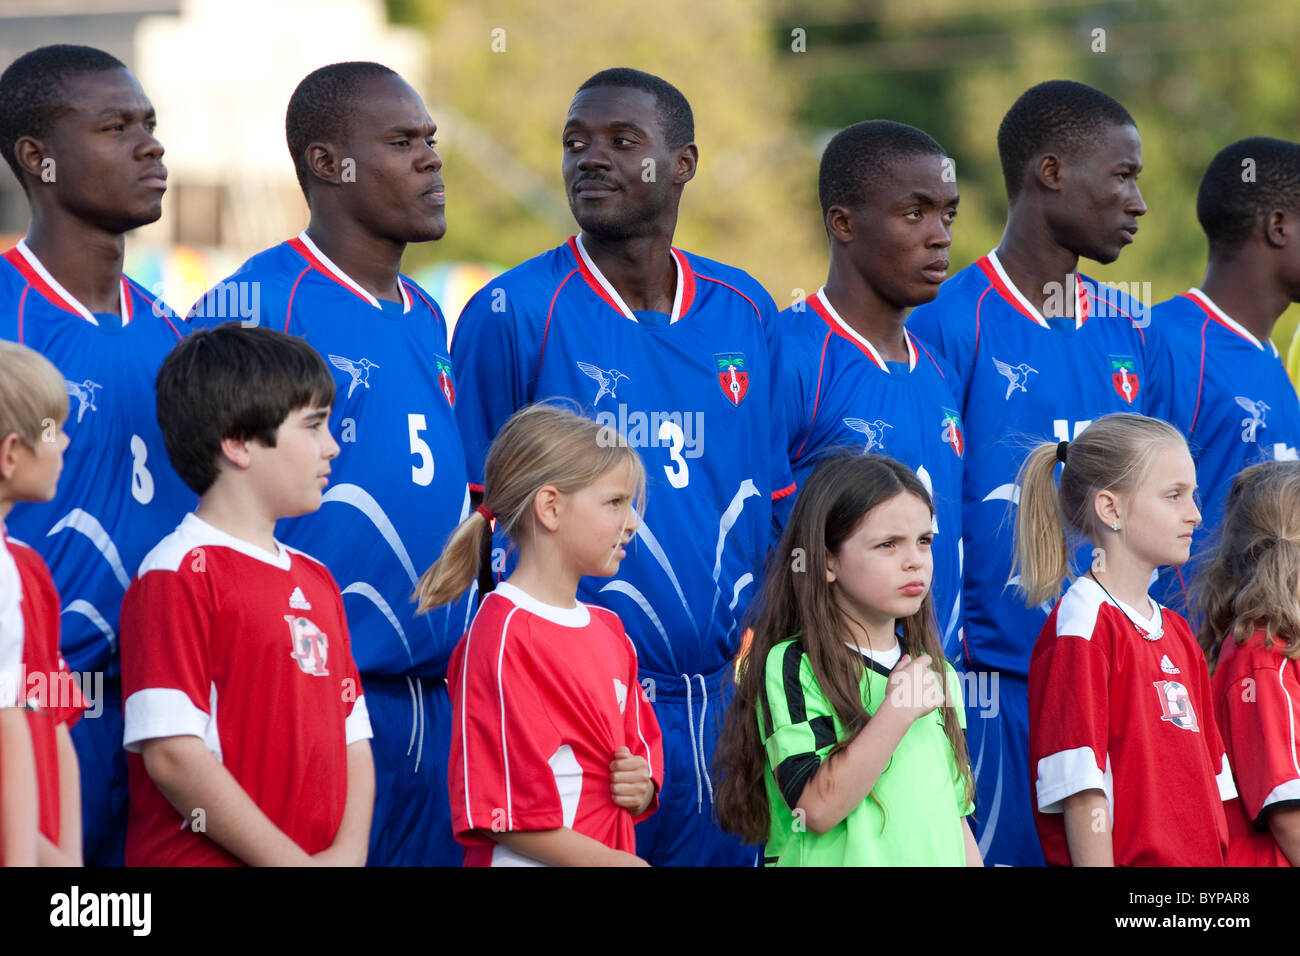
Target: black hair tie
1061 448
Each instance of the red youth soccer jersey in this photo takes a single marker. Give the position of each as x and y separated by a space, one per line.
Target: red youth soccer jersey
48 686
1112 711
248 651
1256 693
541 698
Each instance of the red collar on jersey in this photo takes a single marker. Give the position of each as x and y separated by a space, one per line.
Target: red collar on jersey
303 245
822 306
602 287
31 269
1000 281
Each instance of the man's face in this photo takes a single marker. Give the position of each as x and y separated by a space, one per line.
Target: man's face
620 175
101 155
390 175
902 230
1099 202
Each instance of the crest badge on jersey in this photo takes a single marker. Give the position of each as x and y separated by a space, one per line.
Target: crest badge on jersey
1176 705
952 434
310 646
444 379
1123 373
732 377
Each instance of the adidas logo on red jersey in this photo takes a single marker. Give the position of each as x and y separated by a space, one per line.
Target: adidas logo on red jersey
298 601
1167 666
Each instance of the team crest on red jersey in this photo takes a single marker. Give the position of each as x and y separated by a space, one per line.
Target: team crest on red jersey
310 646
444 379
1177 705
1123 374
952 434
732 377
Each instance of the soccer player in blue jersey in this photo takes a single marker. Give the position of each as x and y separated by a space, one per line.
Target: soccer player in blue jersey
78 132
363 148
676 352
1039 352
1234 401
852 376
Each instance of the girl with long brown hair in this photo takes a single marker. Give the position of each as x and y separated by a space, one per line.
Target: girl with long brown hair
841 746
1248 594
555 750
1126 765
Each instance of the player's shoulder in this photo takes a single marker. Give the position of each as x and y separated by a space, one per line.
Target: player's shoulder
803 332
544 272
1112 301
194 546
954 308
253 290
422 298
29 562
737 281
1083 610
785 662
12 282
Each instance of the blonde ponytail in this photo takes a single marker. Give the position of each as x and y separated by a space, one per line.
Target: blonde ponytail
451 575
1042 556
543 444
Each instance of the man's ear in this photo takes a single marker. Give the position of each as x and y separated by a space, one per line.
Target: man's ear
685 163
9 446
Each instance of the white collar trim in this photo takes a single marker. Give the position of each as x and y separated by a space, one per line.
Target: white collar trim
576 616
195 527
860 339
1227 320
69 299
613 293
346 279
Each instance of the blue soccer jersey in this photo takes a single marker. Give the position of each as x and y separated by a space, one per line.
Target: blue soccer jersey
1023 380
1234 403
397 487
839 393
693 392
118 494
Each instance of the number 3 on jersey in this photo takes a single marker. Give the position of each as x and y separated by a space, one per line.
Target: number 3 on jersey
679 472
421 474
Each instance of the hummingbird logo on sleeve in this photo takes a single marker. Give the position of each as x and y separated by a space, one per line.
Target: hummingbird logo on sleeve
732 377
1123 373
358 369
84 393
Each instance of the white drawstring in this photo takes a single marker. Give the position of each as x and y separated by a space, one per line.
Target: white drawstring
419 753
704 709
695 753
414 719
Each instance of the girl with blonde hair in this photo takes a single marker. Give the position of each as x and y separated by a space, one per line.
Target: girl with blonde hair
1248 594
1126 764
555 750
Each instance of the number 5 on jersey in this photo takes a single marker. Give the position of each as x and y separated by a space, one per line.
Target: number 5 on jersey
421 474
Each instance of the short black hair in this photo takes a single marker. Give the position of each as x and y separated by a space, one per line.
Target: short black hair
235 382
675 114
858 155
1062 116
33 92
1235 193
323 105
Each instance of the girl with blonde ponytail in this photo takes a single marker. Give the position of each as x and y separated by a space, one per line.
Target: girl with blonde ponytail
1248 594
555 750
1126 764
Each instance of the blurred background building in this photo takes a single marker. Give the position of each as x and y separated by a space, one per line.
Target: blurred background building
769 80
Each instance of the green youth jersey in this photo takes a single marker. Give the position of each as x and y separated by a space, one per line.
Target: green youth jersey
913 816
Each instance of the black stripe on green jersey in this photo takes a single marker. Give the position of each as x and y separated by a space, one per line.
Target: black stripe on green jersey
794 701
793 775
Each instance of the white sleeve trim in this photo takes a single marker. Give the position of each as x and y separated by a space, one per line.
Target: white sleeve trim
1227 786
1281 793
162 712
1068 772
357 725
11 630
